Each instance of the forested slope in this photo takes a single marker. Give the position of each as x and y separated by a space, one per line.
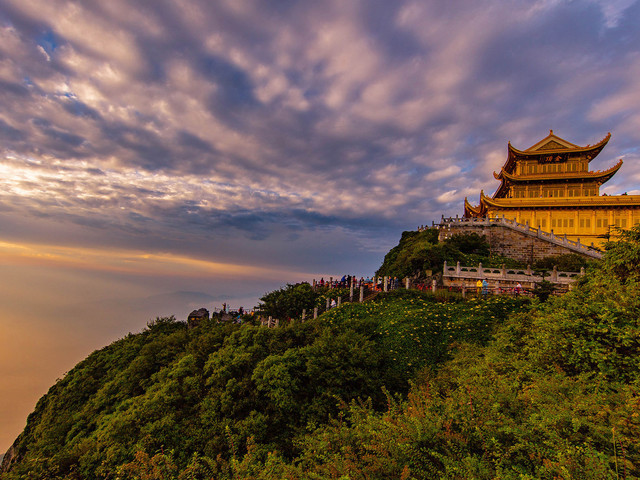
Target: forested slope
196 398
402 387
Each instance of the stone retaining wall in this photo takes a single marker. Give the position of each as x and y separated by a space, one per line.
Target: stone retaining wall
515 240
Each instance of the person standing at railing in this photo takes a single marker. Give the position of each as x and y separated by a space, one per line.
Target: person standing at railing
485 288
479 286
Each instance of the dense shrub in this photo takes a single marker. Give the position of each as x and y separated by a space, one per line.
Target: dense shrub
555 394
289 301
171 399
418 252
568 262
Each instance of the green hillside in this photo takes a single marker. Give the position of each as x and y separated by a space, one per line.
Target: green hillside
402 387
203 393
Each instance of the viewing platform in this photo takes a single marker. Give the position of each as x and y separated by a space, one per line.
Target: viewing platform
467 276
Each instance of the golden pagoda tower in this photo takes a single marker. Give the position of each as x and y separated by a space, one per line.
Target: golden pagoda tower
549 186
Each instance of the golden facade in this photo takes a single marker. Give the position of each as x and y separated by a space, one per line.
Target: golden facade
550 186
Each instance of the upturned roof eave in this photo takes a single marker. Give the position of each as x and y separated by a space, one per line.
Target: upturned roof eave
594 150
577 149
603 175
559 202
471 210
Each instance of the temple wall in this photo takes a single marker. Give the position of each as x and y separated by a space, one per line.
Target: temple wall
587 225
509 242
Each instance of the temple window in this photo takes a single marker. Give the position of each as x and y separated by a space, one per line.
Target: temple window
553 192
620 222
519 192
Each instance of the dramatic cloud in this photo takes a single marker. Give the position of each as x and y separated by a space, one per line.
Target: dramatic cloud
283 138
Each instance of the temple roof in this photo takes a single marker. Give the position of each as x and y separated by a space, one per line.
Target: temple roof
601 175
554 150
472 211
545 149
562 202
552 144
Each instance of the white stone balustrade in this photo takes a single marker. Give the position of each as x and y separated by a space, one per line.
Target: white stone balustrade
502 276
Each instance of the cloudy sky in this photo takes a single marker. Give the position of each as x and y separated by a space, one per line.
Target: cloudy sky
161 155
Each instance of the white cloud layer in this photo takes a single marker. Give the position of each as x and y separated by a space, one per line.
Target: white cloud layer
284 118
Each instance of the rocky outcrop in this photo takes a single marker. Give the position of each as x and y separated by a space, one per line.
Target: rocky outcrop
9 458
197 317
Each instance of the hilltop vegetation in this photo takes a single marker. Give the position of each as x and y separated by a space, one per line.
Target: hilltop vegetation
404 387
202 396
418 252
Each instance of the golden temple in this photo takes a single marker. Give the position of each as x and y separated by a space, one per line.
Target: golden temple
549 186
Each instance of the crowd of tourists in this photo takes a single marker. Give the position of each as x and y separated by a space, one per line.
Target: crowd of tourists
376 283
